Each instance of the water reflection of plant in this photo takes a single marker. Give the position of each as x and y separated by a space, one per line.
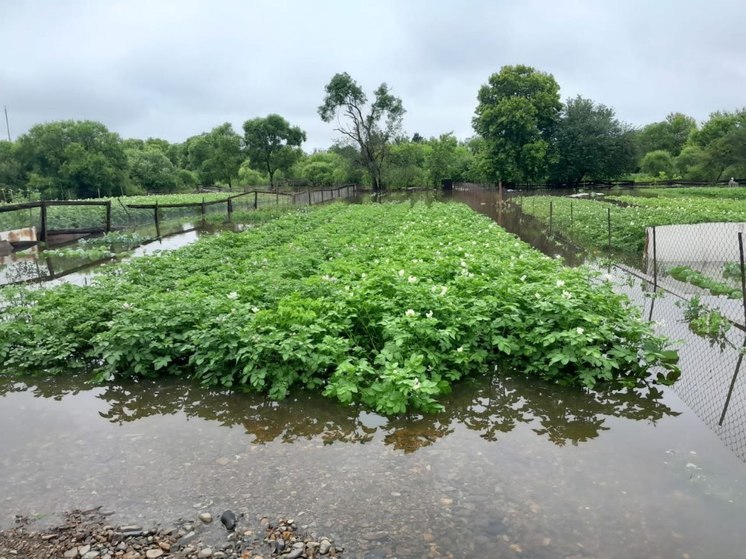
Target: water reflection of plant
489 406
707 322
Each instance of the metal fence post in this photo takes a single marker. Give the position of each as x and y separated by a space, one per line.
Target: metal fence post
43 232
203 209
157 217
256 199
230 209
655 262
108 216
551 212
608 219
740 355
572 221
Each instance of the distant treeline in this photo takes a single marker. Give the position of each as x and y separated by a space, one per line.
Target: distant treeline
524 134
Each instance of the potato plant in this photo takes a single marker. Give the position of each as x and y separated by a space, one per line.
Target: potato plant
384 304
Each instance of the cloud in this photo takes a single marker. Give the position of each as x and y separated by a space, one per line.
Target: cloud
175 69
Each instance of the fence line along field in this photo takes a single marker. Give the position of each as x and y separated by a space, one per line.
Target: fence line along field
620 221
387 304
125 211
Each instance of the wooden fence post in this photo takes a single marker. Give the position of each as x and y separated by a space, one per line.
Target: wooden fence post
230 209
309 196
203 209
108 216
256 199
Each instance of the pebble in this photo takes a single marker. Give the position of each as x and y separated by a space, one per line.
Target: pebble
205 517
86 535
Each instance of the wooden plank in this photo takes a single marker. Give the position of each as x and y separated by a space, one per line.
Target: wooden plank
81 231
16 207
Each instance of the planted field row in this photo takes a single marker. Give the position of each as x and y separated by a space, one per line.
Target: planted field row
695 192
587 221
387 304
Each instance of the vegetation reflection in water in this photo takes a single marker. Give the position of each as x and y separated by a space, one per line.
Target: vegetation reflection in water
489 406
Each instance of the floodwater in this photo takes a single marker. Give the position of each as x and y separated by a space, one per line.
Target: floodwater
33 265
513 468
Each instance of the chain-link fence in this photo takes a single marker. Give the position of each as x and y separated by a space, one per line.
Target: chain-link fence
690 279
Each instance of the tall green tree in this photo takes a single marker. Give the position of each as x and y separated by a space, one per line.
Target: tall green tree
72 158
151 170
323 168
516 115
591 144
670 134
370 127
272 144
658 163
11 181
216 155
407 164
723 140
448 159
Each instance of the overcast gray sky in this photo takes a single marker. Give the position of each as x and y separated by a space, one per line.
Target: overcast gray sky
175 69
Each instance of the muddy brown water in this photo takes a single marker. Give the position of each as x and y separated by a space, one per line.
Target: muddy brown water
513 468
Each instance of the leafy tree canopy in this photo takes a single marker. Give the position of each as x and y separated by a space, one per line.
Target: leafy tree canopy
272 144
216 155
591 144
670 135
370 127
657 163
516 115
152 171
73 159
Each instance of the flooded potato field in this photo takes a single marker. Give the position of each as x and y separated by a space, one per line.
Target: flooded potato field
513 468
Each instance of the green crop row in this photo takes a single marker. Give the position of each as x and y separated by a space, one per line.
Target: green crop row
386 304
695 192
587 221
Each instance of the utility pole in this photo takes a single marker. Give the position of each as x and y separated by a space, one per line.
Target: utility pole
7 126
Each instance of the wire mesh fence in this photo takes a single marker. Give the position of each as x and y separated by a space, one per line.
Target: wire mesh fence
690 279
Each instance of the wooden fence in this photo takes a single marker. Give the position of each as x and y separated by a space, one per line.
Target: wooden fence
44 231
250 200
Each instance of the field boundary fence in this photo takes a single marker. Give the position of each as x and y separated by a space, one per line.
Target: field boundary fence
247 201
118 214
690 280
44 230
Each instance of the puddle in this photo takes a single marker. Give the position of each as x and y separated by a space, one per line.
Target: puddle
34 265
512 463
